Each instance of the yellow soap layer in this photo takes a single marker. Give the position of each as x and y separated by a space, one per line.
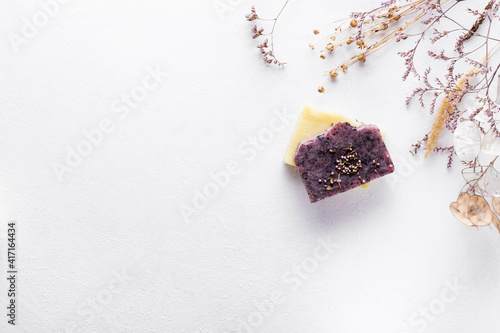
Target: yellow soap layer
311 123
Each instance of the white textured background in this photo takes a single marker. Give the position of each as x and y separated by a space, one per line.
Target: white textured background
107 249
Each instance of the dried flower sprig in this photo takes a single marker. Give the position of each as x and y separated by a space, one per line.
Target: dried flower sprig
372 30
475 130
476 136
445 110
267 47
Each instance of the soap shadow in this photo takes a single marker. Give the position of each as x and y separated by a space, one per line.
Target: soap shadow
350 209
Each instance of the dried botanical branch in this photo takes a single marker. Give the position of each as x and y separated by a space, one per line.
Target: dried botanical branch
445 110
475 129
479 21
267 47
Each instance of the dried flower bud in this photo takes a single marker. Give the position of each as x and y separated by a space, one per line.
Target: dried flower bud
329 47
333 74
253 15
316 31
322 56
350 40
321 89
361 57
344 68
354 23
360 43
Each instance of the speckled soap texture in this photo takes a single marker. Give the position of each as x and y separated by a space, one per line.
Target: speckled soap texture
341 158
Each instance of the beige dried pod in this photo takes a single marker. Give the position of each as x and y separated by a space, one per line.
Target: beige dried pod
459 209
463 201
495 220
479 211
496 205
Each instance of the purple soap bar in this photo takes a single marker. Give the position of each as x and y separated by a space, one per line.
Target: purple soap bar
341 158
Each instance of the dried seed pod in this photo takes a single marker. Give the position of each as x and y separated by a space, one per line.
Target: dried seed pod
459 209
354 23
475 211
496 221
479 211
496 205
490 145
333 74
321 89
459 215
491 182
463 201
467 140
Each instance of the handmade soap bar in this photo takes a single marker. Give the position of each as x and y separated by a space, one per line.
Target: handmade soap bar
311 123
341 158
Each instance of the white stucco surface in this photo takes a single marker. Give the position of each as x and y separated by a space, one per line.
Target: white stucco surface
105 246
